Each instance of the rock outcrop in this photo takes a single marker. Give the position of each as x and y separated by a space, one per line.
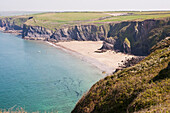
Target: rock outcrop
12 24
34 32
81 33
107 46
140 36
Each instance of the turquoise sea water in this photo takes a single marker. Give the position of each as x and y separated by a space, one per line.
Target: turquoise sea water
39 77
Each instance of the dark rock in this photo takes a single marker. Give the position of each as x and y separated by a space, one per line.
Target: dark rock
107 46
117 69
36 32
131 62
30 17
101 51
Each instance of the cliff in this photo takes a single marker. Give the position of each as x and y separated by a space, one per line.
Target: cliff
137 37
81 33
13 23
143 87
134 37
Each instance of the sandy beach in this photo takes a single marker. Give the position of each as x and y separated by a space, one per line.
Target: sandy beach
85 50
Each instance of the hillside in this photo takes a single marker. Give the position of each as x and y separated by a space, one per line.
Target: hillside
143 87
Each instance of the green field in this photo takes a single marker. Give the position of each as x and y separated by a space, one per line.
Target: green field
54 20
140 12
133 18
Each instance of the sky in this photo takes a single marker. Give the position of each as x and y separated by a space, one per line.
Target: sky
83 5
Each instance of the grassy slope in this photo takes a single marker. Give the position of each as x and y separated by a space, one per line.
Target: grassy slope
143 86
133 17
58 20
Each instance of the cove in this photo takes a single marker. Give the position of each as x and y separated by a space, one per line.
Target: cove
40 77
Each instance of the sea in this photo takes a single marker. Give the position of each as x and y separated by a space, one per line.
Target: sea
37 77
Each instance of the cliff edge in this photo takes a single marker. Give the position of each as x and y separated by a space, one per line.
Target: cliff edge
140 88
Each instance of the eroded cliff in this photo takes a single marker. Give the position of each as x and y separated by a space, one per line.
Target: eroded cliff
132 37
11 23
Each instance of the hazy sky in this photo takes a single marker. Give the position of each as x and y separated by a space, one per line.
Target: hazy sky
83 5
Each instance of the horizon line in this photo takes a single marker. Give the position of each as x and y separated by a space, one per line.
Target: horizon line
84 10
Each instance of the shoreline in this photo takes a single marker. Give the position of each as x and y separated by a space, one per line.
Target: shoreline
102 61
14 32
87 59
103 66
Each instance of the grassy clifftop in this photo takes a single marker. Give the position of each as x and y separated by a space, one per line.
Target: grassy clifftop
17 20
143 87
65 19
58 20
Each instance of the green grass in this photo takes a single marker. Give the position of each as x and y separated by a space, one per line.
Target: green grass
65 19
140 12
55 20
58 20
133 17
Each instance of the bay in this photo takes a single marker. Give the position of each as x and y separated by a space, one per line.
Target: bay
40 77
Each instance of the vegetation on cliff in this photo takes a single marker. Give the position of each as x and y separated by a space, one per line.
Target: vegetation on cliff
140 88
130 34
13 23
17 20
127 42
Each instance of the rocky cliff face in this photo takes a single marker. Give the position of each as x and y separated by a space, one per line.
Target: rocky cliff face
81 33
36 32
10 23
140 36
132 37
